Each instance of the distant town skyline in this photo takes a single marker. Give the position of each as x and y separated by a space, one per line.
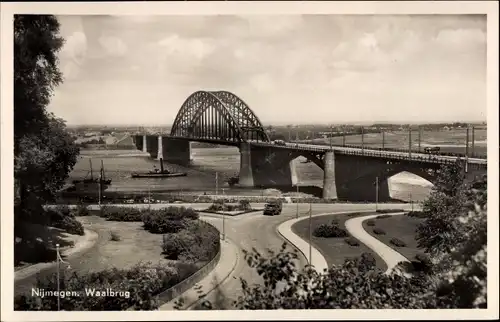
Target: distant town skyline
295 69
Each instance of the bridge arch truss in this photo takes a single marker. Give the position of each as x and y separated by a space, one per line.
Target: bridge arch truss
218 116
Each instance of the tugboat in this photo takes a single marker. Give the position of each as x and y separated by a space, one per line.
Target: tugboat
162 173
102 177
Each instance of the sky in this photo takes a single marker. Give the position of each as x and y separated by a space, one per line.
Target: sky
290 69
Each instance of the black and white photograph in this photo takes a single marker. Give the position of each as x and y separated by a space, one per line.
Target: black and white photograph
281 160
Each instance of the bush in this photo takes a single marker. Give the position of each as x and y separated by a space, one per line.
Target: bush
378 231
366 262
113 236
168 220
33 251
70 225
138 288
388 211
370 222
126 214
352 241
198 242
81 210
244 205
383 216
397 242
329 231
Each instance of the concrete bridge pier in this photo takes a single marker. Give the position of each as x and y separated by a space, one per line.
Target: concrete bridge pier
152 146
160 147
176 151
329 184
246 175
144 143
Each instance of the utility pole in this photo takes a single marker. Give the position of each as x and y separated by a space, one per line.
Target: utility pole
411 201
343 135
216 183
419 137
310 234
297 201
223 217
472 143
383 139
99 188
362 140
376 193
467 141
331 133
58 278
289 133
409 141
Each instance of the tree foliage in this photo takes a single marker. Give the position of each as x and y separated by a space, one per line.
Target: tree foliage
358 285
441 232
44 153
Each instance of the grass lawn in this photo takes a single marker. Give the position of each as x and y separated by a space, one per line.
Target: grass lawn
401 227
335 250
135 244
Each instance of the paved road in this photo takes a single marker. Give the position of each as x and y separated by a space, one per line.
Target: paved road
248 231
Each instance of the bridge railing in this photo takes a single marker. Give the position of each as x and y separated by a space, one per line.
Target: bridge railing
451 154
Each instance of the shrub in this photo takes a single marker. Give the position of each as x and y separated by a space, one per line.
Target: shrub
370 222
113 236
198 242
329 231
127 214
378 231
388 211
244 205
81 210
354 214
138 286
366 262
70 225
352 241
33 251
397 242
383 216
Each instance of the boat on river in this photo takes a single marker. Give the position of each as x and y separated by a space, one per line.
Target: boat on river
101 179
162 173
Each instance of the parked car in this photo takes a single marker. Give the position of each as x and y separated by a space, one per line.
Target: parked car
273 208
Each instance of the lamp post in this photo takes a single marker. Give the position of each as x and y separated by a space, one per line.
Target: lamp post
216 183
409 141
331 134
223 217
297 201
310 234
376 194
58 278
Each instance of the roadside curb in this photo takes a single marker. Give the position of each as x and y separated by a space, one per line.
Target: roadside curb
191 297
86 244
317 259
390 256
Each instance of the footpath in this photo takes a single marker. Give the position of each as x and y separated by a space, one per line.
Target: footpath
355 227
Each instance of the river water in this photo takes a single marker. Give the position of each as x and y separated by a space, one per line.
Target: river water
224 161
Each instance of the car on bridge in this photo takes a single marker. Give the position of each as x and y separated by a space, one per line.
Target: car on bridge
280 142
273 208
433 149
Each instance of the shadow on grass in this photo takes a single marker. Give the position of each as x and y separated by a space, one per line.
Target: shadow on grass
36 243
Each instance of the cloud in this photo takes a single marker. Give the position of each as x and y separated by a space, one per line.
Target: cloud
73 54
113 46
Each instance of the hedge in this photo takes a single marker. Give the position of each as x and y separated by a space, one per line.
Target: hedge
370 222
168 220
63 218
378 231
352 241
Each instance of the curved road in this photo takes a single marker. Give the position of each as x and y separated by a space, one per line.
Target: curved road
247 231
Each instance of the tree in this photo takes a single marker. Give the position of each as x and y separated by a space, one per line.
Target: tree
356 284
441 232
44 153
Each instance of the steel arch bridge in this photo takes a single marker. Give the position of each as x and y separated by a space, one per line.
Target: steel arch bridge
217 116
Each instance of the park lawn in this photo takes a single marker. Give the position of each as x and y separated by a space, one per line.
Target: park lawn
335 250
136 244
401 227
